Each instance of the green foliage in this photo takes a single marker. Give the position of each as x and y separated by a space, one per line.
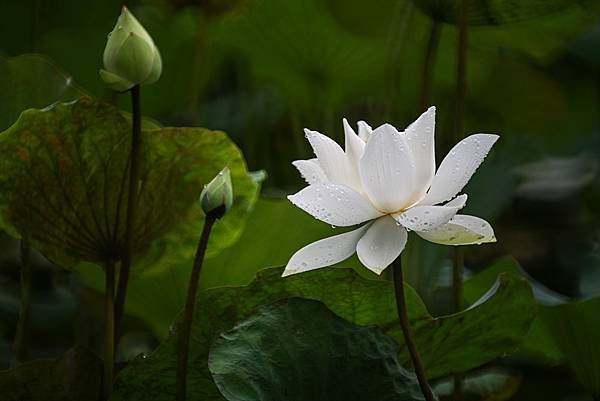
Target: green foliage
564 331
75 376
537 343
490 385
268 223
575 328
453 343
496 12
31 81
50 310
298 350
65 169
305 59
491 327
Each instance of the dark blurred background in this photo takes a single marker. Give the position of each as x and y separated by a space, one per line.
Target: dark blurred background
262 70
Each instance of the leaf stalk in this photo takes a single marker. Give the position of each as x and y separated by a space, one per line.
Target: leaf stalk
20 345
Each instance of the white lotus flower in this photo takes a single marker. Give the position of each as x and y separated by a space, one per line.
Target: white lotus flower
387 180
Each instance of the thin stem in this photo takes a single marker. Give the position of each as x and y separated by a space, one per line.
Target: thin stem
429 64
457 279
407 331
188 312
458 302
134 173
109 329
22 334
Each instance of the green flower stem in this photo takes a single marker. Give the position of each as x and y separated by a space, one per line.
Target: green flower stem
429 64
132 203
461 94
109 328
457 279
20 344
185 328
458 302
407 331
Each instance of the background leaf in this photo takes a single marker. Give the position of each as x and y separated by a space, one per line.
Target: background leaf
490 385
538 343
76 376
575 328
32 81
495 12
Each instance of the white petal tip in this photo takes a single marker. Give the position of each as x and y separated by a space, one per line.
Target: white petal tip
376 269
492 137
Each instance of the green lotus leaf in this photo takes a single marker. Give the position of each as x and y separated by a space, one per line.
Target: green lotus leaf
299 350
64 173
491 327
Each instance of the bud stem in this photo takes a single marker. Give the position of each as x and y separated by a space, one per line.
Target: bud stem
407 331
134 172
188 313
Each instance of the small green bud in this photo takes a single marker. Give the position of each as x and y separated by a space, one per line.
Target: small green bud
130 56
217 196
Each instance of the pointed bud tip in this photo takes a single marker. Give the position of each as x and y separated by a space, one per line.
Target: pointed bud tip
130 52
217 195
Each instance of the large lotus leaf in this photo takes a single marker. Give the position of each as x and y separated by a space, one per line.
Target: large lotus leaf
75 376
495 12
64 174
455 343
299 350
31 81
